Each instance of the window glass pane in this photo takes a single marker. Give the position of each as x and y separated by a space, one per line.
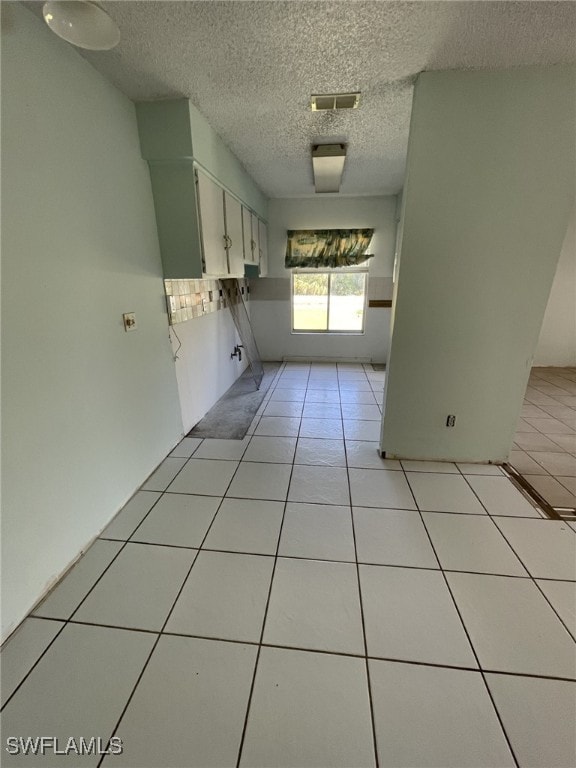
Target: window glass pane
347 301
310 302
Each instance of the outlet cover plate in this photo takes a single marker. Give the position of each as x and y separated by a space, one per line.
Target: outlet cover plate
129 319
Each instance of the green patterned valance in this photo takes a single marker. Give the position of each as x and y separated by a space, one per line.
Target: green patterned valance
327 248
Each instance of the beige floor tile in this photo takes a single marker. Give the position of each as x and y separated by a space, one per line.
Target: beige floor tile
529 441
309 709
567 442
556 463
552 426
552 491
538 742
568 482
525 464
431 717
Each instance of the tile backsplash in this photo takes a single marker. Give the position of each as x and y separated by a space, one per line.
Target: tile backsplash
188 299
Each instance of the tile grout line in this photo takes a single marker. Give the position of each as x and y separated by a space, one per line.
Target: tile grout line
332 560
263 404
74 611
143 670
271 389
391 659
265 617
540 590
508 741
361 602
530 576
528 451
368 469
35 664
187 459
162 492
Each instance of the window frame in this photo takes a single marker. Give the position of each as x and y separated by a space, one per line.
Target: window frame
329 272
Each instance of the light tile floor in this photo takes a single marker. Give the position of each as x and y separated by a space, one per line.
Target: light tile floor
294 600
545 442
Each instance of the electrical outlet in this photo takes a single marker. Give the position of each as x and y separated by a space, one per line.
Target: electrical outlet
450 420
129 319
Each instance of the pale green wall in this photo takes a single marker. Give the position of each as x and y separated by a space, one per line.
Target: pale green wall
490 184
164 129
88 410
557 342
175 129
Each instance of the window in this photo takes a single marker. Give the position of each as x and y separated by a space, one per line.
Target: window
328 302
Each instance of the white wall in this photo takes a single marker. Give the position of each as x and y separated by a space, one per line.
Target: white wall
271 311
88 410
488 194
204 368
557 343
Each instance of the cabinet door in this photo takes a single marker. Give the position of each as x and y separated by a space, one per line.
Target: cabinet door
211 208
263 243
233 211
247 235
174 189
255 238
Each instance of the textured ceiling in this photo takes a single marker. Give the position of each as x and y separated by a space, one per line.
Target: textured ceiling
250 67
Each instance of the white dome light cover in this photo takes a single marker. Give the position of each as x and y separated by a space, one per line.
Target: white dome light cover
81 23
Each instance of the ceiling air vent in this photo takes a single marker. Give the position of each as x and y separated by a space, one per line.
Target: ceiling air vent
324 101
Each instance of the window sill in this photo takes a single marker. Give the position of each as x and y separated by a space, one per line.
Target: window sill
328 333
379 303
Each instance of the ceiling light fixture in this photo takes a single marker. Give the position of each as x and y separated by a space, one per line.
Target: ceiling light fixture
328 166
81 23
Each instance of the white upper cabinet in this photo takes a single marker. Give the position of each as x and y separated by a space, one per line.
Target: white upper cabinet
213 228
255 237
233 211
249 256
252 233
263 247
221 230
200 233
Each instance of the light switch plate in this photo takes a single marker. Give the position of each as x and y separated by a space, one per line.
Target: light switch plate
129 319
